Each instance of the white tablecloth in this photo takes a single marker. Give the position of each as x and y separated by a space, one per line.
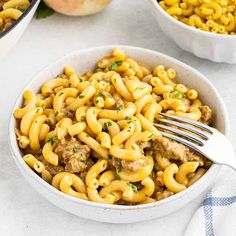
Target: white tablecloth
22 210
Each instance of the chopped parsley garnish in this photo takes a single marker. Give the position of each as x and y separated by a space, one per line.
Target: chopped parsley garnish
61 93
98 70
177 95
75 149
108 123
133 187
115 65
82 161
150 135
52 140
37 110
127 118
81 96
142 88
119 168
119 108
142 130
100 94
49 122
116 175
56 113
119 63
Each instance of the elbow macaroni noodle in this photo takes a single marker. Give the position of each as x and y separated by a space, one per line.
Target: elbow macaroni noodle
111 112
10 11
216 16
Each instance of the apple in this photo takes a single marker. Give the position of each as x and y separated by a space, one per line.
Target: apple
77 7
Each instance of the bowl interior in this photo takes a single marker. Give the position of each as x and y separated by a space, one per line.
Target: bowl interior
86 60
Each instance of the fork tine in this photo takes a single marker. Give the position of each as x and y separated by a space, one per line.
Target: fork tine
191 122
180 132
183 141
186 127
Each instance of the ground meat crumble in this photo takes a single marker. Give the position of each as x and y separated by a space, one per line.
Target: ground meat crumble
176 151
207 116
73 154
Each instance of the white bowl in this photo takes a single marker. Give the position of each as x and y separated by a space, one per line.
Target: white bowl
215 47
11 35
85 60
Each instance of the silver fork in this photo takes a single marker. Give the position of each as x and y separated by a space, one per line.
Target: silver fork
199 137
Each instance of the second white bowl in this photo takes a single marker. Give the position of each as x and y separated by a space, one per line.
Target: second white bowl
215 47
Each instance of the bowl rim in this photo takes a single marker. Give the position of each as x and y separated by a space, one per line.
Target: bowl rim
187 27
15 23
31 174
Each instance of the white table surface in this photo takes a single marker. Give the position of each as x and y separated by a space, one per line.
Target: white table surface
22 210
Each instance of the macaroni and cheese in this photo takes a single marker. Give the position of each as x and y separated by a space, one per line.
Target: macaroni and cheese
216 16
93 136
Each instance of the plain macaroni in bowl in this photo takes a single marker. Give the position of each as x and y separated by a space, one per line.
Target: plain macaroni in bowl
10 11
93 136
216 16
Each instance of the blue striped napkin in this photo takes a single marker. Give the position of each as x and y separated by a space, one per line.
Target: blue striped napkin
216 216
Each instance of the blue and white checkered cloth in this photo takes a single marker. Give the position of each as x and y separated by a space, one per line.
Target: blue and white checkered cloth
216 216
